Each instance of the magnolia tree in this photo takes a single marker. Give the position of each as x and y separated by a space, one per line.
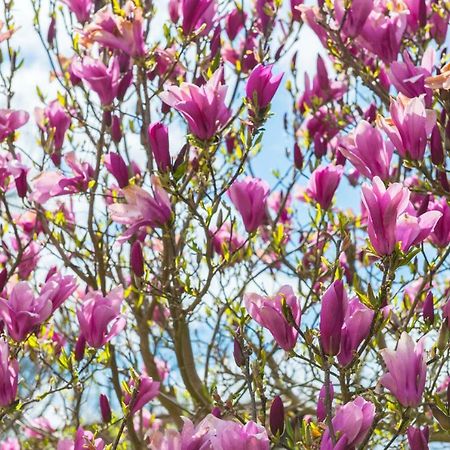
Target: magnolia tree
161 289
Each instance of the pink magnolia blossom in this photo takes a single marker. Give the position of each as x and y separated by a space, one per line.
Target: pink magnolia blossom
352 19
235 22
441 233
147 390
116 32
323 184
262 85
356 327
158 137
382 34
117 167
406 371
418 437
81 9
39 428
351 423
203 107
10 121
142 209
410 79
9 373
53 120
196 14
322 90
410 126
321 410
384 206
332 315
59 288
212 433
100 318
269 313
369 153
249 196
226 239
10 444
4 35
103 80
23 312
83 440
412 230
52 184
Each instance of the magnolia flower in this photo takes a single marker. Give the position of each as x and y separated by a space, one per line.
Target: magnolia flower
384 206
117 32
103 80
10 121
262 86
9 373
147 390
351 423
81 8
99 317
203 107
369 152
249 196
23 312
406 371
323 184
410 126
54 120
269 313
142 209
413 230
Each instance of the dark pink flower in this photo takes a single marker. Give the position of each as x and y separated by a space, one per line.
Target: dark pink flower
142 209
22 313
9 374
249 196
104 80
203 107
269 313
10 121
100 318
124 33
323 184
262 86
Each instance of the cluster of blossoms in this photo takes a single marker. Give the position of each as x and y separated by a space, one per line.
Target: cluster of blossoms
181 269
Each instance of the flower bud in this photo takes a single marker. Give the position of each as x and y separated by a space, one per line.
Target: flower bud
298 157
51 33
3 278
116 129
332 314
158 138
21 184
321 403
137 259
105 409
117 167
418 438
216 412
238 354
124 84
437 150
276 416
428 308
79 348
